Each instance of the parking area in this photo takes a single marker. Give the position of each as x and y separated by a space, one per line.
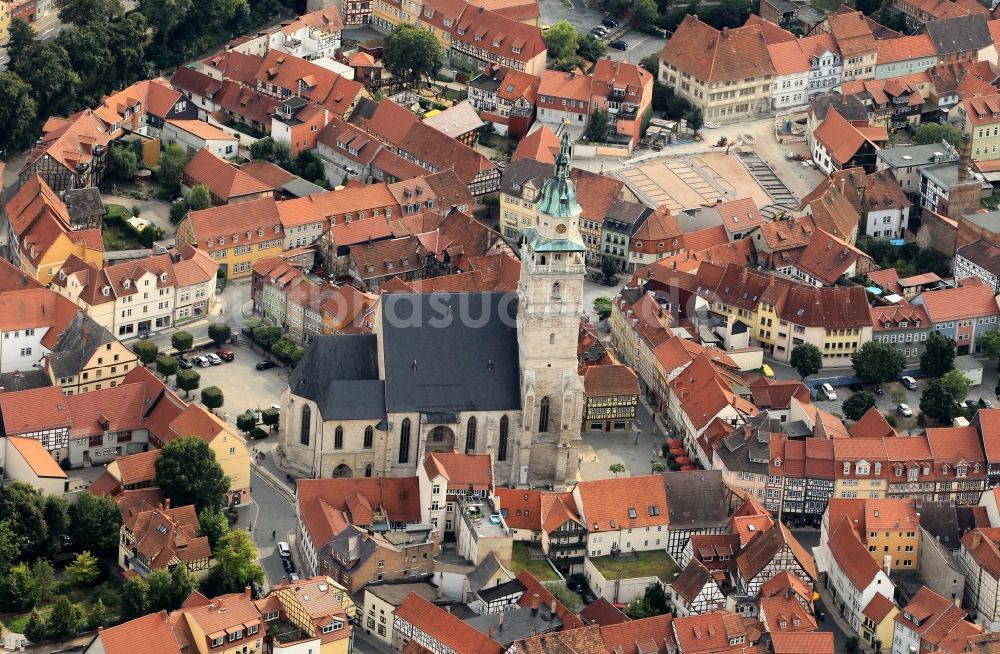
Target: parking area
243 386
583 18
886 403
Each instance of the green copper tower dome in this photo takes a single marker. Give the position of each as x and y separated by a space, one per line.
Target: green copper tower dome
558 197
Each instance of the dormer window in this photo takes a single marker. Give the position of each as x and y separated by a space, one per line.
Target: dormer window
62 274
898 471
163 277
249 235
777 463
961 470
277 229
106 291
847 467
260 232
127 283
222 240
904 324
210 242
236 238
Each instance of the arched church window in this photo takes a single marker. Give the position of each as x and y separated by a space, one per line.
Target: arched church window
555 291
338 438
502 447
543 416
552 339
369 437
306 425
470 435
404 441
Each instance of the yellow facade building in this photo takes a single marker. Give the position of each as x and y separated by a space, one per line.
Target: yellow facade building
235 235
104 365
230 448
316 616
980 116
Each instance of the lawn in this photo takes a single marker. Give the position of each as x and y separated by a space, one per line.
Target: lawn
642 564
540 568
114 237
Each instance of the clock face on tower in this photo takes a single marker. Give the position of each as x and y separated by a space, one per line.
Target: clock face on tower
561 229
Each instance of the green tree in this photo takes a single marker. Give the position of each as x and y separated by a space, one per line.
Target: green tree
160 594
245 422
267 335
56 512
806 359
411 54
178 210
609 269
45 577
937 132
263 149
652 603
164 16
236 565
129 37
36 631
181 341
857 405
84 569
187 381
212 397
65 620
590 48
187 473
602 307
220 332
51 76
617 468
561 40
694 119
646 11
283 347
270 417
98 615
20 40
878 362
89 51
166 366
957 384
937 403
214 525
17 110
85 12
147 351
171 169
198 197
10 545
598 129
23 508
938 356
18 589
94 524
135 598
309 166
296 355
990 342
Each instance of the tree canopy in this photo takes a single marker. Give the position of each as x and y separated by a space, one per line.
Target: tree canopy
938 356
806 359
188 473
561 40
857 405
236 565
937 132
878 362
94 524
412 54
957 384
937 403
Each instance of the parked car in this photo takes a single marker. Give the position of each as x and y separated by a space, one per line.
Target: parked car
293 577
201 362
909 382
225 354
265 364
618 44
599 32
288 565
284 550
963 404
183 363
985 403
829 392
904 411
213 358
609 22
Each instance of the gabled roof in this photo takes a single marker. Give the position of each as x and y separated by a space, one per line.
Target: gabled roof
841 138
540 145
223 179
711 56
499 35
466 471
445 627
763 548
610 380
958 303
398 497
816 642
70 141
154 631
623 503
872 425
904 48
851 556
959 34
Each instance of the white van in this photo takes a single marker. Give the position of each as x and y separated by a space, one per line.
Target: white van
828 390
284 550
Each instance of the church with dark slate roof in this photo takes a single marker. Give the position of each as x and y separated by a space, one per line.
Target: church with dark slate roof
481 373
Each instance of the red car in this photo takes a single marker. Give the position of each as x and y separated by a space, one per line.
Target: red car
226 355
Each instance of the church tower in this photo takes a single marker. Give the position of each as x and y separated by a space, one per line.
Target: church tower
550 295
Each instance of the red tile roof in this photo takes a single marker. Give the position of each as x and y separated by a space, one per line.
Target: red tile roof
223 179
498 35
154 631
444 627
609 380
817 642
609 504
709 55
851 556
399 497
462 471
958 303
872 425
